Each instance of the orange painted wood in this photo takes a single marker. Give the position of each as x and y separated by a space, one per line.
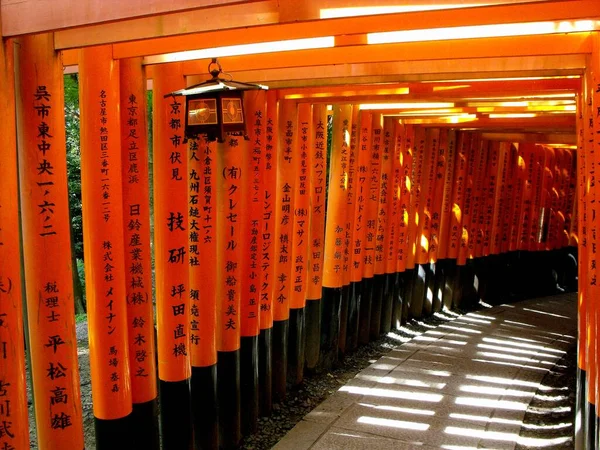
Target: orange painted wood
406 188
395 214
467 212
386 195
489 200
351 195
431 148
136 226
463 143
255 110
446 207
286 181
500 210
337 194
372 206
362 190
441 157
13 388
171 226
268 220
416 197
318 174
301 227
46 245
581 220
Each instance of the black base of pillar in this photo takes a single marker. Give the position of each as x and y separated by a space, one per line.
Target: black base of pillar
429 297
228 388
175 414
280 358
376 306
449 269
265 372
144 424
330 326
418 292
388 303
398 296
409 284
438 285
115 433
312 326
296 346
353 316
344 305
364 320
249 384
591 427
205 410
580 419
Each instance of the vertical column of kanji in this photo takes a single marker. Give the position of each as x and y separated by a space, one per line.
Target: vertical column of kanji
255 108
394 244
267 254
318 172
202 216
381 147
103 233
437 282
362 180
536 203
415 225
334 234
445 264
13 393
582 270
499 209
370 220
490 196
284 210
348 313
230 216
511 172
46 247
300 243
136 221
389 270
565 204
403 238
554 200
171 257
570 232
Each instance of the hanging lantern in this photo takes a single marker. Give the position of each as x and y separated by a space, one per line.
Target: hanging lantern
215 107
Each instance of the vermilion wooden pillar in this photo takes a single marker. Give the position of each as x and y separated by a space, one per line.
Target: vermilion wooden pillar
300 246
202 236
13 389
138 267
334 235
171 256
46 245
318 173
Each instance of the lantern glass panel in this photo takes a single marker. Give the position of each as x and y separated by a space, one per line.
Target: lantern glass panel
202 111
232 110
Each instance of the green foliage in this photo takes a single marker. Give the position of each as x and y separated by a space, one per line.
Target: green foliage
74 160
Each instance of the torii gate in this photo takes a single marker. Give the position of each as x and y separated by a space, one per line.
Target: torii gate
227 215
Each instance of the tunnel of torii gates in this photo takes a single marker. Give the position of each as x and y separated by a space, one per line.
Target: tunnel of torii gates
459 172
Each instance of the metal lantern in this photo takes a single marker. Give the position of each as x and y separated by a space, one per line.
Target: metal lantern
215 107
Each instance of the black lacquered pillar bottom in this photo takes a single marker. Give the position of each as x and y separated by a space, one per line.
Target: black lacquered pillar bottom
280 358
249 384
204 407
388 303
312 325
364 320
376 305
296 346
353 316
175 414
398 295
265 371
115 433
580 403
409 284
418 291
330 326
228 389
144 421
344 305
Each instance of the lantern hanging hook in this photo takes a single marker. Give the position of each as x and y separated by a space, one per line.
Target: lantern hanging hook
215 72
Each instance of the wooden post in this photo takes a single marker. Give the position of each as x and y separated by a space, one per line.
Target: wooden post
318 172
136 215
171 256
267 259
288 117
230 215
13 389
334 235
300 243
255 108
202 238
47 244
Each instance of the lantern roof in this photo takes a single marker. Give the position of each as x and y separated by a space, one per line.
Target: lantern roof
217 83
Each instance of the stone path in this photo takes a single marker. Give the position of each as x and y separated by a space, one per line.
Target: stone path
463 385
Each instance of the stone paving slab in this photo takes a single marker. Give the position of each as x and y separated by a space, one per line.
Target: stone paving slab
464 385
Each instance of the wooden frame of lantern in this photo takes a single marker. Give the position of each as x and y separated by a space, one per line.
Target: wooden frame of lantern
215 107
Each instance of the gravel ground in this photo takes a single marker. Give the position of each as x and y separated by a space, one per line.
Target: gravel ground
540 420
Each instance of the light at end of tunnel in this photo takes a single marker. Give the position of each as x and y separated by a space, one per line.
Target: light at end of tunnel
412 105
513 116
